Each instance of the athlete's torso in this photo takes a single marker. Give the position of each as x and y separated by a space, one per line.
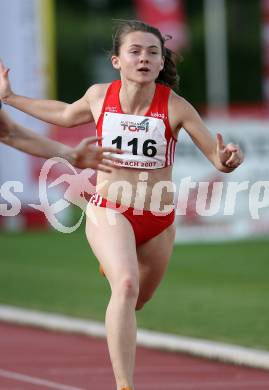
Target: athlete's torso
147 140
155 134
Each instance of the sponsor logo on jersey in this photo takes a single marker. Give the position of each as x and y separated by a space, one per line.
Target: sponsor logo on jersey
135 126
111 109
157 115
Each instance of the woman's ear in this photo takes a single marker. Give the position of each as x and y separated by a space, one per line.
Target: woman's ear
162 63
115 62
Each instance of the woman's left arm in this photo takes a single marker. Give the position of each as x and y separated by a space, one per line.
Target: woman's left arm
225 158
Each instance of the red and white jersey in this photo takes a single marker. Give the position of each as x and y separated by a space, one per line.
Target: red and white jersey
147 140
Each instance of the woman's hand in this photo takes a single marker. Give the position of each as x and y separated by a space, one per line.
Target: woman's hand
5 88
87 155
230 156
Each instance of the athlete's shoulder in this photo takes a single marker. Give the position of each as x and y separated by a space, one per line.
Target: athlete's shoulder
180 110
179 103
177 99
95 96
97 91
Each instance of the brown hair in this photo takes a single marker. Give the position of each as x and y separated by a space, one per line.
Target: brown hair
168 75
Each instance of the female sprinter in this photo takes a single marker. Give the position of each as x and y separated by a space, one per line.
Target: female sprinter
141 115
84 155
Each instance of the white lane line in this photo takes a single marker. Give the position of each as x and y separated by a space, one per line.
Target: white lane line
205 385
36 381
210 349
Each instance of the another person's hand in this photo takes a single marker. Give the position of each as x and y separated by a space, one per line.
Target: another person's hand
87 155
5 88
84 155
230 155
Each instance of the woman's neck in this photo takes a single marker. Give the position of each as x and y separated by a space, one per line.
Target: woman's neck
136 98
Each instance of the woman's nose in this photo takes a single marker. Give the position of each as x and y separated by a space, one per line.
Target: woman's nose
143 58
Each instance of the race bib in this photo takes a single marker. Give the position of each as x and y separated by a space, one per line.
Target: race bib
142 139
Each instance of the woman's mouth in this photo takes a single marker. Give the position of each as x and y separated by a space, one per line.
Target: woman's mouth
144 69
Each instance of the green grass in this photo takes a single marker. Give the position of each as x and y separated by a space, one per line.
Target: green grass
218 292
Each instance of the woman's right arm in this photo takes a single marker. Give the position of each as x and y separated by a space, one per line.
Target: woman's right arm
51 111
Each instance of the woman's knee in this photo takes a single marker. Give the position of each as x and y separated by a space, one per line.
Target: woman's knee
127 287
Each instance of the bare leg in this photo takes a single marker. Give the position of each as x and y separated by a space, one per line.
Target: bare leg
153 259
121 337
114 246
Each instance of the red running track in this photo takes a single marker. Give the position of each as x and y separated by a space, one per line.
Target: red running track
33 359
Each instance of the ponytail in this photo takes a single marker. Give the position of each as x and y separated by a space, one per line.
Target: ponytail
168 74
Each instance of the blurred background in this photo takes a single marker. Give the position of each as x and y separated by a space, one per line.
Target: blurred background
222 47
57 49
83 39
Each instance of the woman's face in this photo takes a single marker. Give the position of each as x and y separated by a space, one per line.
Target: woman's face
140 58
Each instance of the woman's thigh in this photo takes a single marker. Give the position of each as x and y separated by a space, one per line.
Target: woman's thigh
153 258
112 240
